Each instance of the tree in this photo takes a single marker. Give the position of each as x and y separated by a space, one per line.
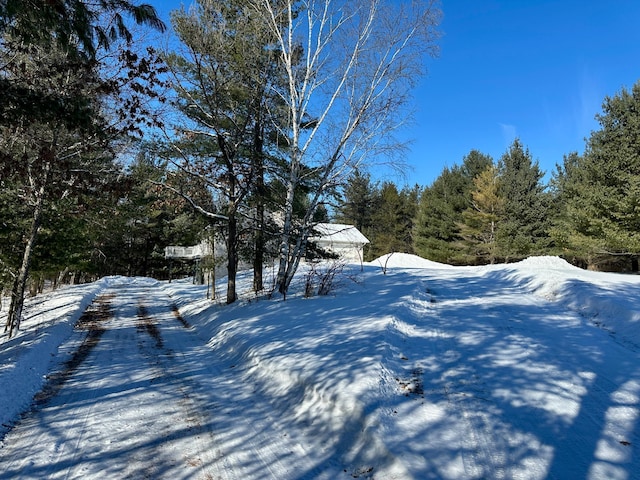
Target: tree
437 233
474 164
145 218
601 188
221 82
356 207
481 219
348 68
74 24
436 230
392 220
525 226
55 134
76 28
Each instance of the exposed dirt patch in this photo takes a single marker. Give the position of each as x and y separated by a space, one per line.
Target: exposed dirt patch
146 324
180 318
92 321
414 384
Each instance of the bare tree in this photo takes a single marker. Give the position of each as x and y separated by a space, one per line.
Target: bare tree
349 67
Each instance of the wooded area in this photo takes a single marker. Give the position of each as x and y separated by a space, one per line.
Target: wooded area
244 129
263 118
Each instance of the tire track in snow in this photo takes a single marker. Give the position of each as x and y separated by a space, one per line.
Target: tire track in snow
117 409
481 451
92 320
163 361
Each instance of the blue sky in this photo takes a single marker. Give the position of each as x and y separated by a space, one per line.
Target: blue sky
538 70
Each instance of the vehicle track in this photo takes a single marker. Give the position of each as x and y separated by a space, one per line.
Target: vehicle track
117 406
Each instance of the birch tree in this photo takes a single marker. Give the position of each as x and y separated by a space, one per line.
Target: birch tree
349 67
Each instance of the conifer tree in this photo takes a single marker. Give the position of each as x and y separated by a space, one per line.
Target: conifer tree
55 130
222 75
601 189
481 219
524 228
392 220
437 230
357 203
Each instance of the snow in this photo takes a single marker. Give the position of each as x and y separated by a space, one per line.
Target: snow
339 233
522 371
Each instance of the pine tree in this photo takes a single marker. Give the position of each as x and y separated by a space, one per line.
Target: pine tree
436 226
601 189
392 220
356 207
146 218
75 24
474 164
525 226
222 78
481 219
437 233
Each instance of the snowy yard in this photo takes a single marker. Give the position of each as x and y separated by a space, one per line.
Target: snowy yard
521 371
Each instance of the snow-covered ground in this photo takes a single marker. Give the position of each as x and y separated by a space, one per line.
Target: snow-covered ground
529 370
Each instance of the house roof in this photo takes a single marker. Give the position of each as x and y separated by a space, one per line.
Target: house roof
338 233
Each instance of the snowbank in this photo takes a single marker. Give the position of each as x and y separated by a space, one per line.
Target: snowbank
26 358
405 260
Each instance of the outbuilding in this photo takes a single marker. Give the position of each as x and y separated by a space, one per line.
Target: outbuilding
346 241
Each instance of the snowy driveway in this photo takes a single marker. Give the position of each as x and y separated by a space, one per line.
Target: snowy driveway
125 411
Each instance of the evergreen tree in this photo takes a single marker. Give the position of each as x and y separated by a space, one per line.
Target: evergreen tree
601 189
222 80
146 218
525 226
356 207
436 227
482 217
474 164
47 157
565 186
392 220
77 24
437 233
56 136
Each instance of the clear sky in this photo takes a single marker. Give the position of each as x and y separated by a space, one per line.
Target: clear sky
538 70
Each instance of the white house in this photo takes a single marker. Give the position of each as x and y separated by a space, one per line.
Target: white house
346 241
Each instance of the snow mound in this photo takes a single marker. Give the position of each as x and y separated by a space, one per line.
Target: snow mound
406 260
546 262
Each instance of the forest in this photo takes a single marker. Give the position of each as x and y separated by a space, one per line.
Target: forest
247 132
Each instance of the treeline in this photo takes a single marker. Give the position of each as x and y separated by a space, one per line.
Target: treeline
485 211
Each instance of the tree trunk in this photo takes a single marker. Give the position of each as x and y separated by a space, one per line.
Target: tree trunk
284 251
20 282
232 258
258 257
